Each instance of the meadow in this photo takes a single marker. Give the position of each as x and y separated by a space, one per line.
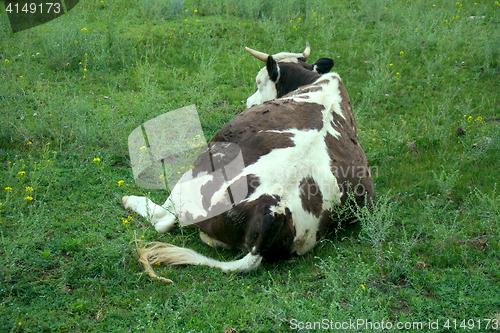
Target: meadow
424 81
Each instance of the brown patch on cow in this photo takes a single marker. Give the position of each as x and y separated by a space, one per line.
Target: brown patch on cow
346 107
250 129
322 82
253 182
348 163
202 163
281 237
268 234
311 196
229 228
252 226
305 90
263 143
326 224
216 156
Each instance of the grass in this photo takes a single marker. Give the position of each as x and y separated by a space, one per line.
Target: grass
72 90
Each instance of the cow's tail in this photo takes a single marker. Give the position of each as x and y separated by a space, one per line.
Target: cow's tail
174 255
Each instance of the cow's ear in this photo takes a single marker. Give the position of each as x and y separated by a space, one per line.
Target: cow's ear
323 65
272 69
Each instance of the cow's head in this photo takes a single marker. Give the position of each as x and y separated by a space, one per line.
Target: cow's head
285 72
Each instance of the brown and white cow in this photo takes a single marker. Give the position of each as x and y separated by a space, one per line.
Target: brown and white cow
301 156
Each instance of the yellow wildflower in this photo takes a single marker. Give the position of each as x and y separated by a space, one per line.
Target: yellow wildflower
362 286
97 159
8 188
21 173
28 198
120 182
29 188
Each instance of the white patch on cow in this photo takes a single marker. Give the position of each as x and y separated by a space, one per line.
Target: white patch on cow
287 57
187 196
266 89
163 218
194 206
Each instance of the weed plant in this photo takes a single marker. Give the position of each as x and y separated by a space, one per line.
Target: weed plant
423 78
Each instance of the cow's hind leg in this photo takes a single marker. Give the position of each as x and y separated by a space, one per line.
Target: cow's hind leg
212 242
161 217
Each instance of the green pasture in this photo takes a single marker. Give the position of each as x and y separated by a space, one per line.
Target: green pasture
424 81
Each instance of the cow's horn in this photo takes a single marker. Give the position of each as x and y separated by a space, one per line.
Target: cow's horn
307 51
257 54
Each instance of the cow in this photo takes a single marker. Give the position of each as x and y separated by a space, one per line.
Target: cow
301 156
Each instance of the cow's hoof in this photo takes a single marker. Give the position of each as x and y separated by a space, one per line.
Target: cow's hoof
124 201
